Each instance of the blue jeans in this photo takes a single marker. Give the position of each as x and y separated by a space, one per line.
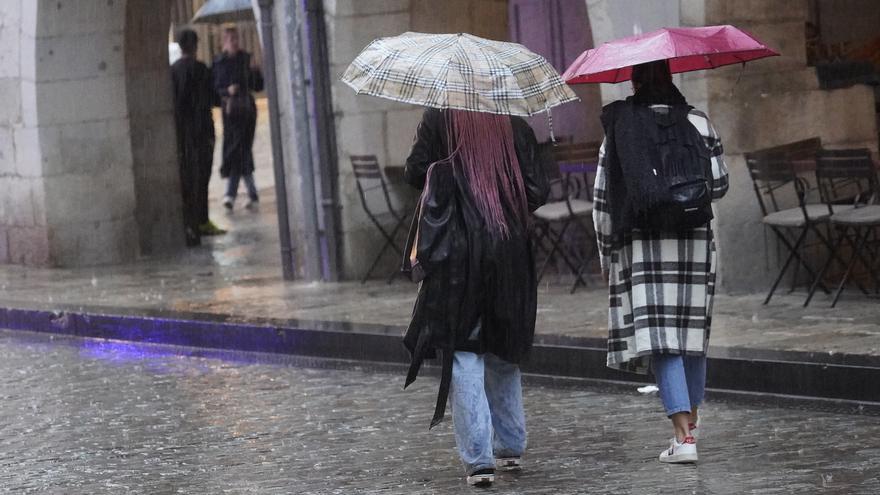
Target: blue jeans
681 380
487 409
232 186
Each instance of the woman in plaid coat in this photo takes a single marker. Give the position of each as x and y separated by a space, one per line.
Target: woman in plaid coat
660 284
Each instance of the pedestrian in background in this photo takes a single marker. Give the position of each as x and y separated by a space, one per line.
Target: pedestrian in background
470 248
660 166
193 101
236 75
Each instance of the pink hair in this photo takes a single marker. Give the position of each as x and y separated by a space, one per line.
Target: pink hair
486 154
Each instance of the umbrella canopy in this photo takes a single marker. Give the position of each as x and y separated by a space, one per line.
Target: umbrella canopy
687 49
222 11
459 71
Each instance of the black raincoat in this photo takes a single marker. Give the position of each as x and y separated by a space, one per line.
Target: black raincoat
193 100
239 125
468 276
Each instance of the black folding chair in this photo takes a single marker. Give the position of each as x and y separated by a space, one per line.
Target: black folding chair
849 176
772 174
370 180
569 168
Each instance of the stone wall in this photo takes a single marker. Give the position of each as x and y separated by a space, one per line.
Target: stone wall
83 122
769 102
158 202
24 234
86 139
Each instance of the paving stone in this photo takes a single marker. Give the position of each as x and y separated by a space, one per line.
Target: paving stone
86 416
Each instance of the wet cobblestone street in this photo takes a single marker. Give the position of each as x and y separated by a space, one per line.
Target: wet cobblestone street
92 417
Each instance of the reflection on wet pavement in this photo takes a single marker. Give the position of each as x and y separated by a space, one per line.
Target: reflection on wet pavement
93 417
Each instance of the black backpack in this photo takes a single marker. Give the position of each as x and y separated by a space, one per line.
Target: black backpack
684 170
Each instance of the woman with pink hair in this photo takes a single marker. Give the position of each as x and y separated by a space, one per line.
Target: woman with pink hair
470 248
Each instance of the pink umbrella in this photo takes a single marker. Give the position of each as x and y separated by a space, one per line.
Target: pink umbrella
687 49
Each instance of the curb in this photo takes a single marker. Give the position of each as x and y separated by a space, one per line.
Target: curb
797 376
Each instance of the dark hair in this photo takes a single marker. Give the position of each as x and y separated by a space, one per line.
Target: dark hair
653 84
653 74
188 40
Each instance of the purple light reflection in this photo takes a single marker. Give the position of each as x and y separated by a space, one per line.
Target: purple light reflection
157 359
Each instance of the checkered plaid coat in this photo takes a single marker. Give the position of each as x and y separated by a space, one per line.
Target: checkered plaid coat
660 285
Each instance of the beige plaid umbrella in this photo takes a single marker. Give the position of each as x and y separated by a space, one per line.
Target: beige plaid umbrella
459 71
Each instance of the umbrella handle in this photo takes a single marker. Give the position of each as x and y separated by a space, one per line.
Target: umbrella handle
738 77
550 124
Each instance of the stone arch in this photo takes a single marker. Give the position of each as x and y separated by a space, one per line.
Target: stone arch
89 175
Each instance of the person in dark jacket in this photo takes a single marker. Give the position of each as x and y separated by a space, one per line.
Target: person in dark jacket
470 246
193 100
235 76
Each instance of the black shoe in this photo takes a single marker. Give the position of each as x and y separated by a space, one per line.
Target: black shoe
192 238
481 478
508 464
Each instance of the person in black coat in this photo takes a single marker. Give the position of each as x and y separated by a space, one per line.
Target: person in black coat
235 76
193 100
470 247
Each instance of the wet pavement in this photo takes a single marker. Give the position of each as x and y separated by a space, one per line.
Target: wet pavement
238 274
95 417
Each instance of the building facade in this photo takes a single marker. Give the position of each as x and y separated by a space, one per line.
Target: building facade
88 173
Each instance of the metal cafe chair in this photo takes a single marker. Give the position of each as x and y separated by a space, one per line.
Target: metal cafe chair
388 221
772 175
850 175
569 167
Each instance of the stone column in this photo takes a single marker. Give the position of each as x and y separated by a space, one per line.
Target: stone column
24 233
158 200
79 101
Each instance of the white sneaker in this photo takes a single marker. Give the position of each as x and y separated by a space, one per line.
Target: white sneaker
508 464
252 205
228 202
680 453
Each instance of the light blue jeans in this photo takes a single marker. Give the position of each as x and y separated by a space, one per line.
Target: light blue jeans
681 380
487 409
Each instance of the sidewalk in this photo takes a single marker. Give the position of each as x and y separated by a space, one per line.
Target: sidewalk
239 275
